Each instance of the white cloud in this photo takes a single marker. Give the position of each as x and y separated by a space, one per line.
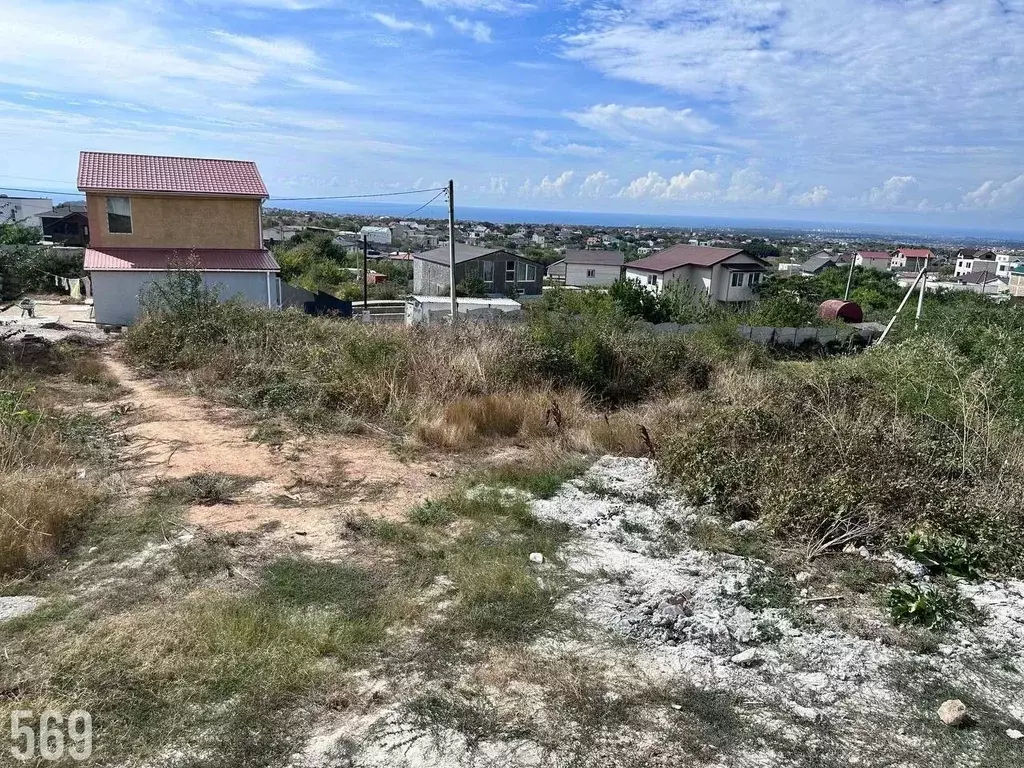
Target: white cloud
548 187
474 29
543 143
833 84
597 184
749 185
507 7
696 185
498 186
282 50
615 118
812 198
328 84
892 193
1009 194
402 25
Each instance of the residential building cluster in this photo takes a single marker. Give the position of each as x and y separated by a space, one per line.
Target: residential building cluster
143 214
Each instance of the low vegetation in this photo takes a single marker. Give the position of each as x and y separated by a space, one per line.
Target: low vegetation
47 449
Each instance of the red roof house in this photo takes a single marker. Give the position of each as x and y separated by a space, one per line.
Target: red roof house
149 214
720 274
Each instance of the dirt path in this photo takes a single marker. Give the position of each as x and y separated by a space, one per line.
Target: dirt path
304 488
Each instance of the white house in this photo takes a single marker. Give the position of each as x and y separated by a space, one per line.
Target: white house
726 275
379 235
588 269
24 210
970 260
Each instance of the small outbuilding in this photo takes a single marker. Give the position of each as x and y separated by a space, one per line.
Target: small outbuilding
844 311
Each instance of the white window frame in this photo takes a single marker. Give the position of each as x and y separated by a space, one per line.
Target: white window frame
131 223
736 280
510 271
591 273
652 279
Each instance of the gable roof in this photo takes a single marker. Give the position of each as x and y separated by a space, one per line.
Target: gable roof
596 258
916 252
113 172
874 255
819 261
224 259
980 278
686 255
463 253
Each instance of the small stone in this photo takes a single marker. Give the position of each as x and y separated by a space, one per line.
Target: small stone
954 713
746 658
1014 734
677 707
743 526
536 557
802 577
863 552
946 650
93 550
807 713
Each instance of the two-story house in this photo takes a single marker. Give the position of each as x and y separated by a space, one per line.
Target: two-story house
911 259
149 214
503 273
727 275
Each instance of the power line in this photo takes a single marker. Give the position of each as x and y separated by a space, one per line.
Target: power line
408 215
272 199
354 197
38 191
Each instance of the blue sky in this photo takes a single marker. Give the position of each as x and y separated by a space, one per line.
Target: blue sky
885 111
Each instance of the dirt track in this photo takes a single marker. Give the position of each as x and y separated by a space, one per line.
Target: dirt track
307 485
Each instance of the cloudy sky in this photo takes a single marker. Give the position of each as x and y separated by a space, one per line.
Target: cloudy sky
820 110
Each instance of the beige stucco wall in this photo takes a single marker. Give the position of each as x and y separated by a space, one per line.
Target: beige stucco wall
179 222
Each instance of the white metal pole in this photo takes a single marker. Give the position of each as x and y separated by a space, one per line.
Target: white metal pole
901 306
849 279
920 298
451 247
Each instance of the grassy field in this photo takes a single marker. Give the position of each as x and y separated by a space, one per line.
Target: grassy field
195 646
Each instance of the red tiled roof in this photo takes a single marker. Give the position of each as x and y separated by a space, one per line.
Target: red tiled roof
232 259
874 255
683 256
151 173
916 252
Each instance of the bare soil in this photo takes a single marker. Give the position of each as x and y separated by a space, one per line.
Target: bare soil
304 487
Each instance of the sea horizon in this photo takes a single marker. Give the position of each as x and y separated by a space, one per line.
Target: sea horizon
646 220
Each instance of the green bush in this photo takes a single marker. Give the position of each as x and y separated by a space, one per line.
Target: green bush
926 606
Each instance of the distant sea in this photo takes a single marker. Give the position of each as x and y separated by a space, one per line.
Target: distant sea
392 209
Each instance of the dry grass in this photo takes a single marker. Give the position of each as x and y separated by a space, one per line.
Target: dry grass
37 514
43 446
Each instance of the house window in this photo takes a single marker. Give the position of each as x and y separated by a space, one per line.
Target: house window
755 278
527 272
510 271
737 279
488 269
119 215
652 279
591 273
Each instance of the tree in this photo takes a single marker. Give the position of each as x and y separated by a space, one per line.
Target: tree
762 249
16 234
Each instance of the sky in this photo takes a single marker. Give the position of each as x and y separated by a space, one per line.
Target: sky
873 111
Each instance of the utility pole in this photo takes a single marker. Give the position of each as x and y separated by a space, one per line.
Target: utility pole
849 279
366 308
899 309
920 298
451 247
